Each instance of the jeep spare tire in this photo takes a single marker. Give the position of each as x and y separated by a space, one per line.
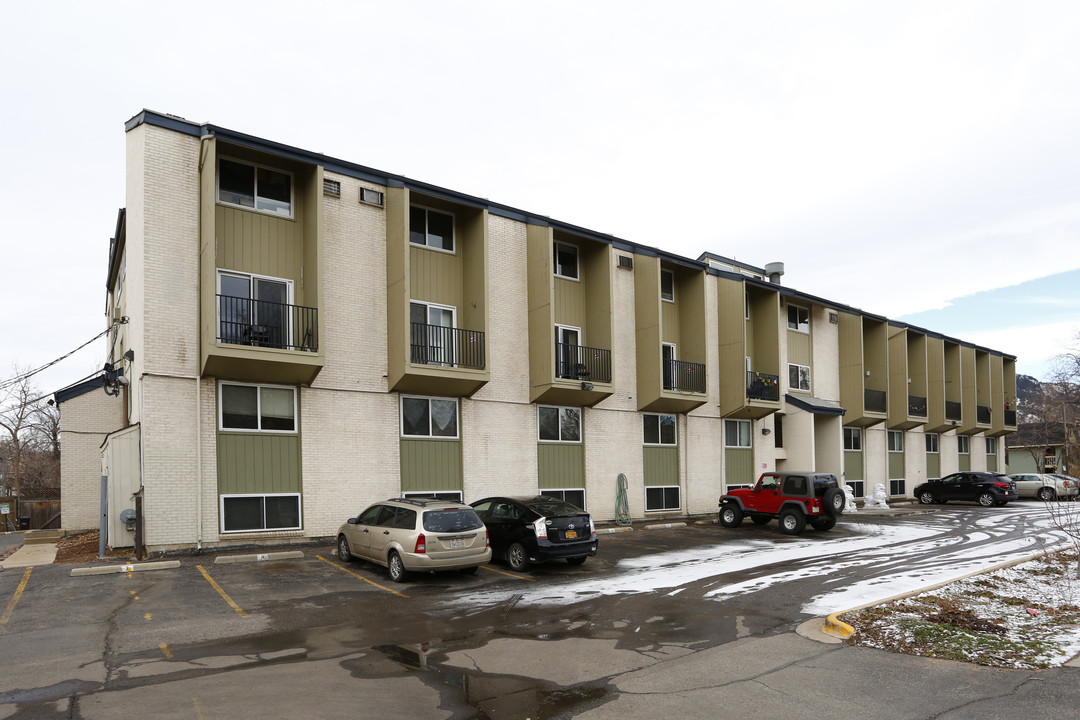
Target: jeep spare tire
834 502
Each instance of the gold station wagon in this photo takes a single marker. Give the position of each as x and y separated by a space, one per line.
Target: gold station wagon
416 535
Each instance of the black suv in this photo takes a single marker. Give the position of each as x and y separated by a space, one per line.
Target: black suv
986 488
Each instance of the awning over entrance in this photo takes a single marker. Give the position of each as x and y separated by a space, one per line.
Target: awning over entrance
811 404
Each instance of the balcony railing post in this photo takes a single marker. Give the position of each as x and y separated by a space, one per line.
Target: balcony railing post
247 321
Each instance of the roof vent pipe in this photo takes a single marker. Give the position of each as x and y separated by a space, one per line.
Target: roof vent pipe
774 270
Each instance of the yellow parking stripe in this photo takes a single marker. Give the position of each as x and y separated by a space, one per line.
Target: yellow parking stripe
369 582
517 577
222 593
14 600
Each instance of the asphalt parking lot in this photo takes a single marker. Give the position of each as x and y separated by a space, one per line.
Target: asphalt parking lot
316 637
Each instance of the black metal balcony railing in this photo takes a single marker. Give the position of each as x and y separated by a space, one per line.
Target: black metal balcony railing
446 346
1010 418
953 411
916 406
982 414
874 400
762 386
687 376
243 321
577 362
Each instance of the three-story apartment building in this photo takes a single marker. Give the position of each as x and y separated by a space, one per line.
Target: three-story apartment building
295 336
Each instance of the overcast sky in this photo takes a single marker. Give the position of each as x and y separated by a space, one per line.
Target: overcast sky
918 160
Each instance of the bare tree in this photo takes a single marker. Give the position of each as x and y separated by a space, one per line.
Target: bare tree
19 404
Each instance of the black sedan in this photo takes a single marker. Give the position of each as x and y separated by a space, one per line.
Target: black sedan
985 488
527 530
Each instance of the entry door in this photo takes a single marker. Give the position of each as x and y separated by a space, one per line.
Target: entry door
434 342
568 353
668 358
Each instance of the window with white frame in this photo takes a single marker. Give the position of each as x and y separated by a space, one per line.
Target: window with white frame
431 334
255 187
737 433
566 260
558 424
251 513
932 441
254 309
256 408
798 377
574 496
963 445
896 441
798 318
991 446
659 429
667 285
858 487
662 498
429 417
431 228
852 438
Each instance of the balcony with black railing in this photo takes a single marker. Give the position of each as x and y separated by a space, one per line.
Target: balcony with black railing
1010 418
953 411
684 376
916 406
446 346
762 386
578 362
260 323
874 401
982 414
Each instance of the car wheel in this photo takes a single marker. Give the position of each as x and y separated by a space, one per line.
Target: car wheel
343 551
987 499
792 522
835 499
731 515
760 519
926 497
577 560
396 567
1047 494
823 523
517 558
469 571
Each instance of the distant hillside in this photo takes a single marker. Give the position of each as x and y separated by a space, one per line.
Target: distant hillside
1029 395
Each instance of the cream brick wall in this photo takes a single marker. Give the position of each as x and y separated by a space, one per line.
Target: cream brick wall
826 355
876 457
85 422
914 459
170 470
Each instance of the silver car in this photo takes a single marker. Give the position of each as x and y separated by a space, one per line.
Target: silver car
416 535
1044 486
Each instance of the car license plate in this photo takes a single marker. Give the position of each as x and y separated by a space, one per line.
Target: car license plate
457 544
571 534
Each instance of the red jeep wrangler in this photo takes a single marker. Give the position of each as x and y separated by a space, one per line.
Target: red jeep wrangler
794 497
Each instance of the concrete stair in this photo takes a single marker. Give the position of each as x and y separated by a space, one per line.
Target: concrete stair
38 537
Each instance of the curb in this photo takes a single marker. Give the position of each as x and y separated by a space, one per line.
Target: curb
836 627
665 526
113 569
259 557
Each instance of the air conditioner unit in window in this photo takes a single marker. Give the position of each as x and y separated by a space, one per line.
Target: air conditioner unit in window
371 197
626 262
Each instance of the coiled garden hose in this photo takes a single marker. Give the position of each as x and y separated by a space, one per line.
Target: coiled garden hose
622 505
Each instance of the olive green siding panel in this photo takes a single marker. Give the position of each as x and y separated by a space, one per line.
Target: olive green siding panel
541 308
997 395
258 463
799 348
964 463
261 244
560 465
430 465
933 465
851 364
570 306
991 463
647 327
917 364
853 465
690 301
896 465
738 466
935 383
435 276
898 375
730 298
876 354
765 325
596 269
661 465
